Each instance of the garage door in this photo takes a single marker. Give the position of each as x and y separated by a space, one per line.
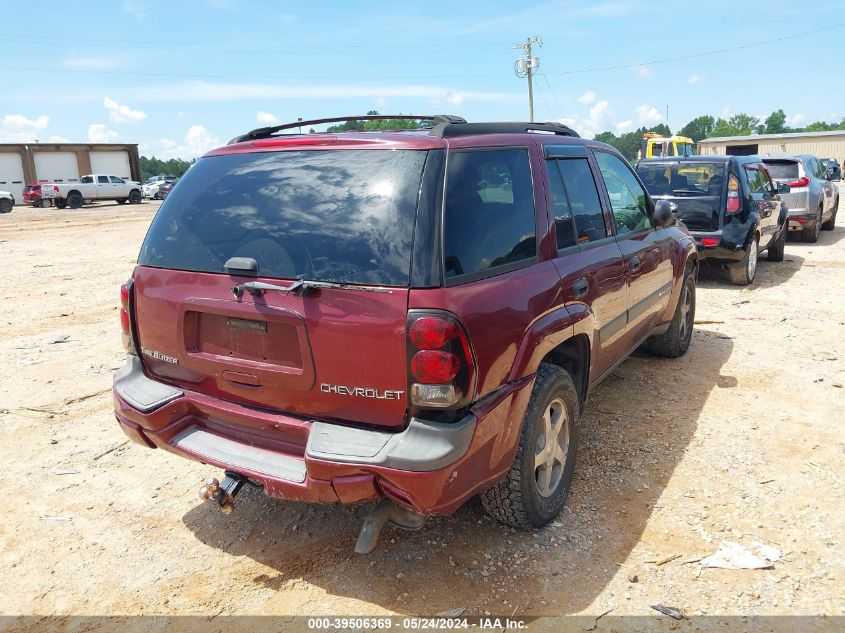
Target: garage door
11 175
113 163
56 167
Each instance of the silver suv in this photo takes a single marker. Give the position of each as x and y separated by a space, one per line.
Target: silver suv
812 199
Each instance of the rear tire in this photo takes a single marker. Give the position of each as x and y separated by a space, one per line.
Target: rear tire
776 250
134 196
5 205
61 205
676 340
812 235
121 201
831 223
533 492
743 273
74 200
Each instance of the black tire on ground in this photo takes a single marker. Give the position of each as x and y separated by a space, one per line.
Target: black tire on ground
743 272
61 205
121 200
74 200
134 196
777 248
831 223
812 235
517 500
5 205
675 341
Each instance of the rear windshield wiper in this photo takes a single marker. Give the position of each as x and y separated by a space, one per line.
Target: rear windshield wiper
300 287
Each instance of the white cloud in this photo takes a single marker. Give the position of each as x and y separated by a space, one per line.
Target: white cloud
648 115
16 128
218 92
197 142
587 97
694 79
624 126
596 120
795 120
266 117
456 98
120 113
644 72
76 62
99 133
135 8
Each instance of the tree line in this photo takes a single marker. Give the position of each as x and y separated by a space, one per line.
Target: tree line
707 126
156 167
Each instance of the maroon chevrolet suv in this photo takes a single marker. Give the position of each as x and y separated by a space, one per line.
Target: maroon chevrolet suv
414 317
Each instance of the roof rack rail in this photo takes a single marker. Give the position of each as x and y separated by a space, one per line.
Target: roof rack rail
447 129
265 132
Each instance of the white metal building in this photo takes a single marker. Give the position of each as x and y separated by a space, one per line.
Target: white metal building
28 163
820 144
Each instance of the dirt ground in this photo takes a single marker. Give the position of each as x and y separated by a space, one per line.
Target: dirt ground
741 440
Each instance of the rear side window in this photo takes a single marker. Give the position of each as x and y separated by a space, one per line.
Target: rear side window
345 215
488 218
756 180
577 209
783 169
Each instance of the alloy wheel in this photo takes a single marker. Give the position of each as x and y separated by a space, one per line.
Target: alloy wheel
552 448
752 260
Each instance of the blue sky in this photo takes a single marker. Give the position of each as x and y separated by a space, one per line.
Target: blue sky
181 77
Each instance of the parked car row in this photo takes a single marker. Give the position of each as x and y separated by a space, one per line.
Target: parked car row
739 206
418 317
157 187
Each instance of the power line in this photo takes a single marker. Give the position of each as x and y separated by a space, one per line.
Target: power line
696 55
29 69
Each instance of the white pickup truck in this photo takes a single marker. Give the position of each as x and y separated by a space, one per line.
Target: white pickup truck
89 188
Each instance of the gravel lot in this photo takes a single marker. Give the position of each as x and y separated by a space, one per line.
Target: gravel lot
741 440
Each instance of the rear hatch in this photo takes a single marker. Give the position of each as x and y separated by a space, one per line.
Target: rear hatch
696 188
341 216
785 170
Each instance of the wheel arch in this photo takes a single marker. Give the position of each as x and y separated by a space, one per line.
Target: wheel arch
573 356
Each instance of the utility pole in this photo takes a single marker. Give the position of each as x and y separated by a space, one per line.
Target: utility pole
525 66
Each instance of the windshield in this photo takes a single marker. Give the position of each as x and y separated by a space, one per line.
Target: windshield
683 179
342 215
782 169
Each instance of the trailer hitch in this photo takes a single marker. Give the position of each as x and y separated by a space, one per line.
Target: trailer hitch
224 492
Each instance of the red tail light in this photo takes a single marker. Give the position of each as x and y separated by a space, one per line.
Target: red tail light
125 318
709 241
734 201
801 182
441 371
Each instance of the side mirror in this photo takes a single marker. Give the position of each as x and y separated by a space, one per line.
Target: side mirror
663 215
783 187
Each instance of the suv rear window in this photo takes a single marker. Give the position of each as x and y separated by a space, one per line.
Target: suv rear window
783 169
345 216
683 179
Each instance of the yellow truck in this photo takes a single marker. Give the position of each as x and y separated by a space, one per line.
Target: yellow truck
654 146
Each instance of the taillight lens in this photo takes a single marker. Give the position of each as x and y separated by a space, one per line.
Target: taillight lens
709 241
801 182
734 201
441 370
125 317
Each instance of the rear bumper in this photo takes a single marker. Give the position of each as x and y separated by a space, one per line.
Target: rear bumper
430 467
724 251
801 218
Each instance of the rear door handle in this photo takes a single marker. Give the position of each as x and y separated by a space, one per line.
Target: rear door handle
634 262
580 288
